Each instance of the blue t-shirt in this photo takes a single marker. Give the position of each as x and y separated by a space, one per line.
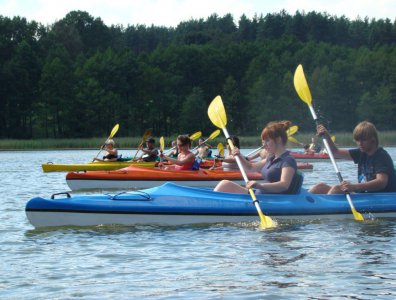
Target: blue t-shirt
272 169
370 165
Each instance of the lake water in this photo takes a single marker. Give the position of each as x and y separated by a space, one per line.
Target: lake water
298 260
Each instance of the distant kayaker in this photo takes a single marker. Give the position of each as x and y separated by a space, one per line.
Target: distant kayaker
279 168
185 159
175 152
376 171
203 149
111 152
229 162
314 147
150 153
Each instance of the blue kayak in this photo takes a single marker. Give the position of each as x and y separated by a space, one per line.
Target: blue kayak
171 204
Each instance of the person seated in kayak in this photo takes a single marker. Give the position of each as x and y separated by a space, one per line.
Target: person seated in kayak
111 152
279 169
229 163
261 154
203 149
185 160
175 152
150 153
376 173
314 147
307 149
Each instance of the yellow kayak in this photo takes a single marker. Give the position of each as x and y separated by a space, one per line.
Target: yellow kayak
94 166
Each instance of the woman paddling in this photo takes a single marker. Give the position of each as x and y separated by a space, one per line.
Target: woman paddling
279 169
185 159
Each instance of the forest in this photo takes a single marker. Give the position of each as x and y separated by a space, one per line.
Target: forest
78 77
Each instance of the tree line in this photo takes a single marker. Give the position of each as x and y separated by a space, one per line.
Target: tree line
79 77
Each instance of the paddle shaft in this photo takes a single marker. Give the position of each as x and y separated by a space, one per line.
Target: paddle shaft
245 178
200 144
330 153
255 151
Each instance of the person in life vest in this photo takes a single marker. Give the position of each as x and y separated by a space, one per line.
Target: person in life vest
111 152
185 159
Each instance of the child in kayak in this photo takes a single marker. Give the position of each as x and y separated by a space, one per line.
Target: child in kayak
279 169
185 159
111 152
376 171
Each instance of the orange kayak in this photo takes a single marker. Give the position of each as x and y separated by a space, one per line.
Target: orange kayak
139 177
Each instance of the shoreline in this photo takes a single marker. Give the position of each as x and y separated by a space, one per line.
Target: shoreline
387 139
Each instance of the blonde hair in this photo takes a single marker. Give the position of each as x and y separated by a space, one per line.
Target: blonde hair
110 142
365 131
277 129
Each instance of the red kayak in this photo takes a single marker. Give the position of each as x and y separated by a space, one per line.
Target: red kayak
309 156
139 177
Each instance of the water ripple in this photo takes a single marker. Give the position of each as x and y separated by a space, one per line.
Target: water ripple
299 260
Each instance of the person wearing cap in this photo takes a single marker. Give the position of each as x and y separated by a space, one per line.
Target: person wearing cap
150 153
111 152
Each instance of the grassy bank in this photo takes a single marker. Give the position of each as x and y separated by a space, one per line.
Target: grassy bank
343 139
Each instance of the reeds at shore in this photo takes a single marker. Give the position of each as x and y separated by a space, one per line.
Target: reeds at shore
343 139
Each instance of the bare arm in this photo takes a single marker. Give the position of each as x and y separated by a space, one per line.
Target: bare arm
338 153
377 184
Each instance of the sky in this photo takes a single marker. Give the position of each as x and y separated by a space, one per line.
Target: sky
170 13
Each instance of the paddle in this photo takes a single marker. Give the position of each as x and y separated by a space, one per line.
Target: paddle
220 150
146 135
112 133
292 130
193 137
162 146
220 154
301 86
218 117
293 140
211 137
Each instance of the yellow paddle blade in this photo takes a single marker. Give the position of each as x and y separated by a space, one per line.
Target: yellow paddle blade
114 131
162 144
265 221
292 130
301 86
147 134
292 139
196 135
220 149
214 134
357 215
333 138
216 113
